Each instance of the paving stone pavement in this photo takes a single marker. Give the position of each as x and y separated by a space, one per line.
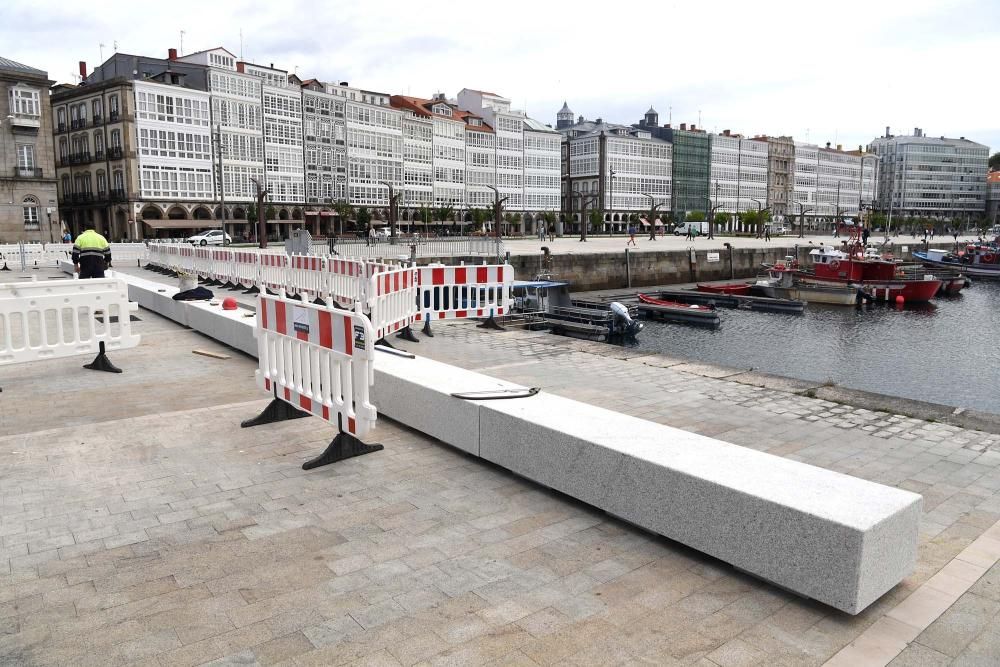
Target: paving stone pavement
140 525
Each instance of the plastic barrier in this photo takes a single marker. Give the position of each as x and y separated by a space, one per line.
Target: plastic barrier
274 271
392 299
123 252
222 270
54 319
203 263
246 268
320 361
457 292
344 283
307 276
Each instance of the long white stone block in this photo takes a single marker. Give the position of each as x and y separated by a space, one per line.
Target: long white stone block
838 539
417 392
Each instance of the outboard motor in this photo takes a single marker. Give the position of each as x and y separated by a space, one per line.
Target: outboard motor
623 321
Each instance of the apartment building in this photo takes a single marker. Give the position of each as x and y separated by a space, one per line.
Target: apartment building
738 175
831 184
931 177
28 194
508 124
281 103
993 196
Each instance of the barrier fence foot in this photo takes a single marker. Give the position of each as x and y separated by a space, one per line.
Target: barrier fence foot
319 302
101 362
490 323
384 343
295 297
407 334
230 285
427 329
344 446
276 411
5 267
253 290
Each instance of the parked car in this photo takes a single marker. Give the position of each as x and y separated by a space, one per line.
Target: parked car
211 237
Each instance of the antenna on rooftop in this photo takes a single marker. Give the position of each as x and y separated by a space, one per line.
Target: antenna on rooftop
670 114
699 117
101 47
182 43
241 43
116 45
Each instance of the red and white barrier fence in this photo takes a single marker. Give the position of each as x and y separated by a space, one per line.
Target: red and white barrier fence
392 299
460 292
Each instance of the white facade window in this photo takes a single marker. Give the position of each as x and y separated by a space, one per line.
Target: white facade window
25 156
29 206
24 102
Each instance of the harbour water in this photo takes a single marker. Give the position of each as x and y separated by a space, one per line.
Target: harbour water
946 352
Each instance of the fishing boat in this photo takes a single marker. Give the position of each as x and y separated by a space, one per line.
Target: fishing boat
979 260
781 283
545 303
878 277
952 281
741 289
672 311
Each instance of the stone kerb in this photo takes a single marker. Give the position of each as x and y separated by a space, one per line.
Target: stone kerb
837 539
418 392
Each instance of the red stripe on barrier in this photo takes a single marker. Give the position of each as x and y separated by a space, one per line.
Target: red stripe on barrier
352 427
348 341
482 275
500 274
326 330
281 326
460 275
267 384
305 403
395 282
263 314
479 313
288 394
459 313
437 276
326 413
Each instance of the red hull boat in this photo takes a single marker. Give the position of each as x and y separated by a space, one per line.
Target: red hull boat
882 278
739 289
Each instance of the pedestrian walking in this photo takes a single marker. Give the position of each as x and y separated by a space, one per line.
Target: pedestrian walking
690 233
91 254
541 232
933 230
552 231
631 235
67 237
767 232
864 236
371 240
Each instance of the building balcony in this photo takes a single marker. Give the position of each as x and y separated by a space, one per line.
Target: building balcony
25 120
27 172
98 155
118 195
98 119
115 153
75 124
61 127
113 117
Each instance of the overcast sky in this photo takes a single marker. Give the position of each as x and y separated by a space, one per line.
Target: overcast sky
838 71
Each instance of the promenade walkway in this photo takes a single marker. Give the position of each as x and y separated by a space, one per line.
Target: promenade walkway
140 525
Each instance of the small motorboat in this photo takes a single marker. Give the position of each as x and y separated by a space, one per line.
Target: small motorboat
674 311
739 289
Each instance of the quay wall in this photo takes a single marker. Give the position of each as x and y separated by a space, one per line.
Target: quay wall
614 270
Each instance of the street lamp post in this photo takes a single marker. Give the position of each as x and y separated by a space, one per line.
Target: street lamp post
760 215
584 200
222 193
393 199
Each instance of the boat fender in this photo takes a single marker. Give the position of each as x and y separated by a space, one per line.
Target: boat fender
835 264
988 258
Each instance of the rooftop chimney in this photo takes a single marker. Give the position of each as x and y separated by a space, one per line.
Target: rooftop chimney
171 54
828 145
599 121
344 83
840 147
916 131
667 126
693 128
240 66
684 126
887 135
725 133
83 69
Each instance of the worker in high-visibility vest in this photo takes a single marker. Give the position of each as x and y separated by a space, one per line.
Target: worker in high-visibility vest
91 254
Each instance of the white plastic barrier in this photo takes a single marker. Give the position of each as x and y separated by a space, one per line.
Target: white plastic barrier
392 299
123 252
53 319
344 282
317 359
458 292
274 271
307 276
56 252
222 268
246 268
203 262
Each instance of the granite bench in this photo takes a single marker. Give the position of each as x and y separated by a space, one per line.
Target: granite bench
837 539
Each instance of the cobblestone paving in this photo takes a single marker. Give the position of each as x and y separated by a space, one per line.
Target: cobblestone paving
177 538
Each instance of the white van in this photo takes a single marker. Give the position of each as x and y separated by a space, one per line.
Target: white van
699 228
